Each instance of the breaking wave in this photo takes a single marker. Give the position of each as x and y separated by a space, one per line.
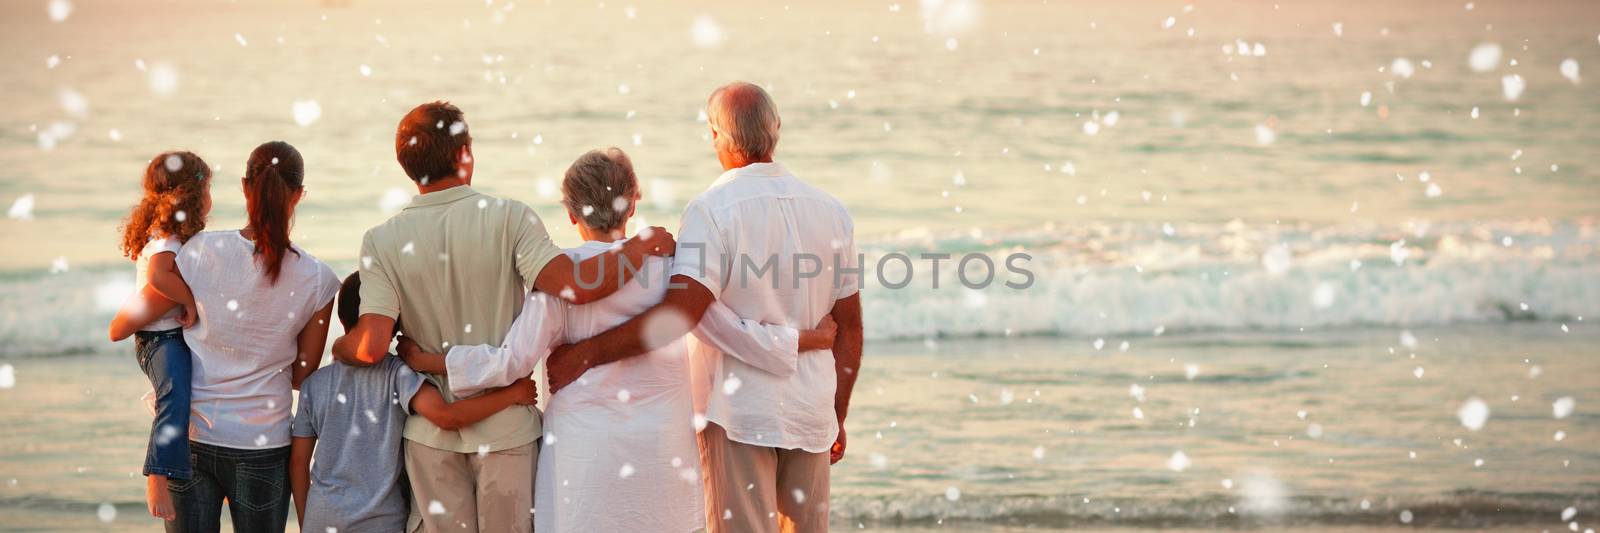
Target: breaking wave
1097 279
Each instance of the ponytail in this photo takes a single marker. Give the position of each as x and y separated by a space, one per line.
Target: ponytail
274 174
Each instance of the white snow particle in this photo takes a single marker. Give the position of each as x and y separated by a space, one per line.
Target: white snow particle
1473 414
1178 462
106 512
73 103
1484 57
1265 135
706 32
1402 67
1323 295
1563 407
394 200
1512 85
1569 70
163 79
1276 260
306 112
59 11
22 208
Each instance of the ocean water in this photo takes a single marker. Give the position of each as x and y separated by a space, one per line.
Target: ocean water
1306 202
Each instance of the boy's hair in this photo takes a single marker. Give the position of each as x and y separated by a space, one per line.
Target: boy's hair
172 204
429 141
348 308
599 188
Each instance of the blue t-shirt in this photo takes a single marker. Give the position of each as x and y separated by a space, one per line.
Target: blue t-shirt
358 416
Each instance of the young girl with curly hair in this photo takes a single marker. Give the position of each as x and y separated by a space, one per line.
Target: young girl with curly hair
173 208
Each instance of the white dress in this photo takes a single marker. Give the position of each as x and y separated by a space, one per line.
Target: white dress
619 450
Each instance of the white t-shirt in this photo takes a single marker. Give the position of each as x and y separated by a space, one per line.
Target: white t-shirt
244 342
750 216
141 276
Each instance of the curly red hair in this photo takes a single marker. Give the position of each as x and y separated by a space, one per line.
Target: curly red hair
173 205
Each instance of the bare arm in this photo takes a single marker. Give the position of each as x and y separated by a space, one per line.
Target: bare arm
309 344
164 276
429 403
599 276
367 343
142 308
677 314
300 449
846 360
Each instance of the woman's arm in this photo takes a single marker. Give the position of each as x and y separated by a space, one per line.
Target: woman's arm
478 367
312 340
773 348
300 473
465 412
142 308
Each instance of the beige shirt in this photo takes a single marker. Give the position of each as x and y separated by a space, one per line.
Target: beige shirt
453 267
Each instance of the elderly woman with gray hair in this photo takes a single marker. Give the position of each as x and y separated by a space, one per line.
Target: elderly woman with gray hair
619 451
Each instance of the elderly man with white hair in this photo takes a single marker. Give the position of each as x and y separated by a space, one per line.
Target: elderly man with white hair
775 250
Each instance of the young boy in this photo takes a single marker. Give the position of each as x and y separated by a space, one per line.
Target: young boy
359 415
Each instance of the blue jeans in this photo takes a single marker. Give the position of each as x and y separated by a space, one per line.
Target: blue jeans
164 358
255 483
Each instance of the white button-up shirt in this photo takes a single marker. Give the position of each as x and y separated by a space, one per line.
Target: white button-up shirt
777 251
619 451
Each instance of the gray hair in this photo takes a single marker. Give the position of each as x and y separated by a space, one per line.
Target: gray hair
599 188
746 118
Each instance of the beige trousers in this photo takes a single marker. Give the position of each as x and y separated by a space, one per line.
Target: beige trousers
475 492
756 489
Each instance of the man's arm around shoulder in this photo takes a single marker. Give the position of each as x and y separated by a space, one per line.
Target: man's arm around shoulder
677 314
367 343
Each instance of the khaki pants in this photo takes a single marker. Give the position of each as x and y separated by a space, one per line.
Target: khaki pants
756 489
476 492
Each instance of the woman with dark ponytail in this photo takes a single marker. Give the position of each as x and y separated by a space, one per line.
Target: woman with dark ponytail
264 306
273 183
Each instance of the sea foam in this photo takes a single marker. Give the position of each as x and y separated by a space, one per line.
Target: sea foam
1098 280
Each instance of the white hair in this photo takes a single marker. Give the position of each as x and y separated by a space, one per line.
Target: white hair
745 118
